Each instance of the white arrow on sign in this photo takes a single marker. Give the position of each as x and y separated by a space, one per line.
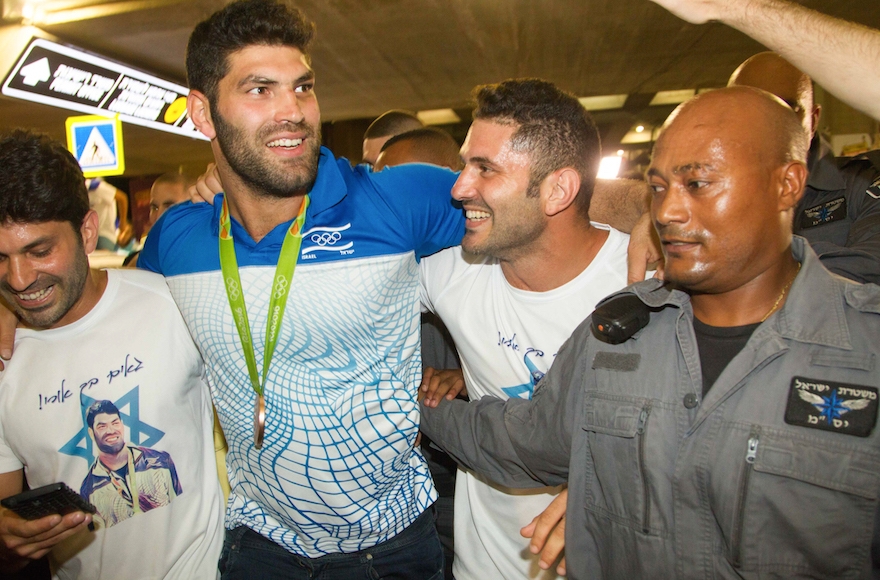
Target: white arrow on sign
36 72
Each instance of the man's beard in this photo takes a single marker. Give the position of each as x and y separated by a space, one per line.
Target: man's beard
281 179
110 449
68 289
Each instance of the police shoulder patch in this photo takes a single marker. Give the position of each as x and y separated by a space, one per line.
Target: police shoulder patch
824 213
830 406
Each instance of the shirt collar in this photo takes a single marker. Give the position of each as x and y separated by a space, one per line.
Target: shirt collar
813 311
328 190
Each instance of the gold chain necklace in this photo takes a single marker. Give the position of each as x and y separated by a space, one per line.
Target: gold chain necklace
781 295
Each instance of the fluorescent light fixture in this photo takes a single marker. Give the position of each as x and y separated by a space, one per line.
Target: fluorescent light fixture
603 102
633 137
672 97
50 12
438 117
609 167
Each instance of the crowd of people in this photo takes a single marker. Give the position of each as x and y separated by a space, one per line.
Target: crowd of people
713 419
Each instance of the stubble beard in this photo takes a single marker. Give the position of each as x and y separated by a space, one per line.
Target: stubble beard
510 237
68 291
276 180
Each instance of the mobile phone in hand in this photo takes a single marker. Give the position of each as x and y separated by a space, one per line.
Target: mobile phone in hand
55 498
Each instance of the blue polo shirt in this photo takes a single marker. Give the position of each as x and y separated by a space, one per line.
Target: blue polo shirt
337 471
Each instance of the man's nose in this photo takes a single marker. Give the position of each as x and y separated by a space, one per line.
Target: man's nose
464 186
20 275
289 109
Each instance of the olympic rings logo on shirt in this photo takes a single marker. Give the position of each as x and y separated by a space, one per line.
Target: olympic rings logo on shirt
325 238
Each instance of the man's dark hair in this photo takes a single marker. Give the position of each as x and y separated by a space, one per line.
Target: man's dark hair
40 181
430 145
98 407
553 127
392 122
237 26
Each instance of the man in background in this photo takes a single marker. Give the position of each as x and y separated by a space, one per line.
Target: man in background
168 189
839 213
386 126
425 145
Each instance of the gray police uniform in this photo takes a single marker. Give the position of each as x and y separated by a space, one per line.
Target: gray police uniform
840 212
775 474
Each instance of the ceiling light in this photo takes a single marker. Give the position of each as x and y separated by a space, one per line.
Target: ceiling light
640 128
609 167
603 102
438 117
620 152
672 97
633 137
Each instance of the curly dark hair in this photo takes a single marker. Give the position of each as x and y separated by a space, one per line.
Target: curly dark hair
40 181
553 127
237 26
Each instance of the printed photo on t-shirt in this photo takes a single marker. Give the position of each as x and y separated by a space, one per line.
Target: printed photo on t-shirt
127 476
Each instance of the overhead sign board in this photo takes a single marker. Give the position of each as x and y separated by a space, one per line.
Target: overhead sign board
61 76
96 142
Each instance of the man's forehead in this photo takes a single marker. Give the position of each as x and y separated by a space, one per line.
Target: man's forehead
167 190
488 137
262 60
106 417
25 231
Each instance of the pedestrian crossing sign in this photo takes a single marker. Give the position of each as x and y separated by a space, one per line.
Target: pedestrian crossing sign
96 142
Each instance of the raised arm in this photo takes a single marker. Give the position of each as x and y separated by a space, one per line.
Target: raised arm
619 202
842 56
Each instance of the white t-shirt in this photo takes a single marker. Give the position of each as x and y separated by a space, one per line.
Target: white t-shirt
102 199
134 350
507 339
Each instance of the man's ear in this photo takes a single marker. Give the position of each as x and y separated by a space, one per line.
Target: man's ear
792 180
814 119
561 189
199 110
89 231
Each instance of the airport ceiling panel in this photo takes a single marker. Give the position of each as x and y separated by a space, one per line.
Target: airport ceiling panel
372 55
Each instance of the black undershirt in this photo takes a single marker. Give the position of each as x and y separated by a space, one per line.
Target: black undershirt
717 346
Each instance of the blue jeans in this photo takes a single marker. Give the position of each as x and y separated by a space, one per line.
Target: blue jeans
413 554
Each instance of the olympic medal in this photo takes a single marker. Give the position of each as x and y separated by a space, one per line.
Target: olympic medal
259 421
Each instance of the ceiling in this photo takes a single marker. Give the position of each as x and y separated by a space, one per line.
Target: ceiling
373 55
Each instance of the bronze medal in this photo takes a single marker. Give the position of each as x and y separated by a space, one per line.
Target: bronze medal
259 421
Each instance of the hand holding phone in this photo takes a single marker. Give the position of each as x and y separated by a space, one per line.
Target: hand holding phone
55 498
34 538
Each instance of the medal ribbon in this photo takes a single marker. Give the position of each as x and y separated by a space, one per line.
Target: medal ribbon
280 290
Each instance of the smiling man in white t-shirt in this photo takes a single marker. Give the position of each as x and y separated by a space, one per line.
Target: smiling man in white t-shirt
530 268
105 393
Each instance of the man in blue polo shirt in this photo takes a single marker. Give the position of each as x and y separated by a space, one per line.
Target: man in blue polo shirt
321 460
